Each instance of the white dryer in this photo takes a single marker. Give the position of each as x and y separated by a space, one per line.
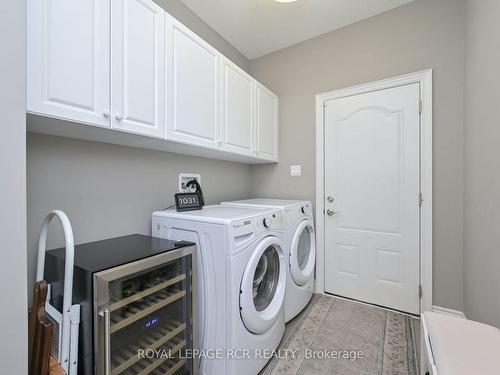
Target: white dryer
241 282
300 246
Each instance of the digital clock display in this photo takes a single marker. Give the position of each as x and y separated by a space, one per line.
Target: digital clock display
188 201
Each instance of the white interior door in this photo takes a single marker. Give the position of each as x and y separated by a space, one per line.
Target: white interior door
138 67
372 188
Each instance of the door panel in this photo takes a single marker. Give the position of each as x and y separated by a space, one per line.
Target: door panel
372 172
381 156
267 123
237 109
138 83
68 59
194 88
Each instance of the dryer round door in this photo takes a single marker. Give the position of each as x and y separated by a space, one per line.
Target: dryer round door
262 289
303 253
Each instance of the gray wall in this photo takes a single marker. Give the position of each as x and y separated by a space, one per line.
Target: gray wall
482 164
424 34
110 190
13 323
197 25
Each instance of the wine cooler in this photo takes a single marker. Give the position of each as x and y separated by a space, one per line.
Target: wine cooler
137 299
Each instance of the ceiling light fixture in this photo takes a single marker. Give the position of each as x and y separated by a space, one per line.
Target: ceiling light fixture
285 1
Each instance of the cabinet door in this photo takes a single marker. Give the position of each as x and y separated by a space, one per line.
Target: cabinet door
68 59
238 104
267 123
138 67
193 88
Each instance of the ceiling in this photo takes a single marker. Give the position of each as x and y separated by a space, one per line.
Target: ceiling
258 27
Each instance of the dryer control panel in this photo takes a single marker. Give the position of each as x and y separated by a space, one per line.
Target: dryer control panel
296 212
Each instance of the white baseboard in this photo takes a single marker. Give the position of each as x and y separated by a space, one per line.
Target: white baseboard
451 312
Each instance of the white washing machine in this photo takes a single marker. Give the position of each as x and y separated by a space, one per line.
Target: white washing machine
241 282
300 248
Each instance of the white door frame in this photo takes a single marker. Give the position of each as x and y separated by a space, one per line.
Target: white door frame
423 77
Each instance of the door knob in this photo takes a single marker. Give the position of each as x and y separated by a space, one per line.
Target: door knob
330 199
330 212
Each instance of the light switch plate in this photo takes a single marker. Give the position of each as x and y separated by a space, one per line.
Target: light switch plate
295 170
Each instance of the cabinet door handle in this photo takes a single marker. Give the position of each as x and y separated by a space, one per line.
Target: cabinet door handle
106 113
119 116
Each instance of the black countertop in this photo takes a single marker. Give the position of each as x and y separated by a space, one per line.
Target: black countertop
100 255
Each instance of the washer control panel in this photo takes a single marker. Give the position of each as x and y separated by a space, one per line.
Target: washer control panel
246 229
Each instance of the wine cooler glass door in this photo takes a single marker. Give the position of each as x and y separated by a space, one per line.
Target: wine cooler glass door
144 314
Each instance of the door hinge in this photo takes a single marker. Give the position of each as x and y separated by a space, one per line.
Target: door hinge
420 106
420 199
420 292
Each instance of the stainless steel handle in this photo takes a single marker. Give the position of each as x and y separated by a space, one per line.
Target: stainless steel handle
107 343
331 212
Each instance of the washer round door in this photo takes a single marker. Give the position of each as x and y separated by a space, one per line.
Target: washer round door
262 289
303 253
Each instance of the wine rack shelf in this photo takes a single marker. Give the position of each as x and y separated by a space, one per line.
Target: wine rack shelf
169 367
140 295
165 364
143 307
127 357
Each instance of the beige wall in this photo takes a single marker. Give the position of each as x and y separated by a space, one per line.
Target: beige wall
482 162
111 190
13 322
424 34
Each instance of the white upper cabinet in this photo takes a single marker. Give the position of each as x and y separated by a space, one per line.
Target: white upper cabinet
267 123
129 66
237 110
193 81
68 60
138 67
